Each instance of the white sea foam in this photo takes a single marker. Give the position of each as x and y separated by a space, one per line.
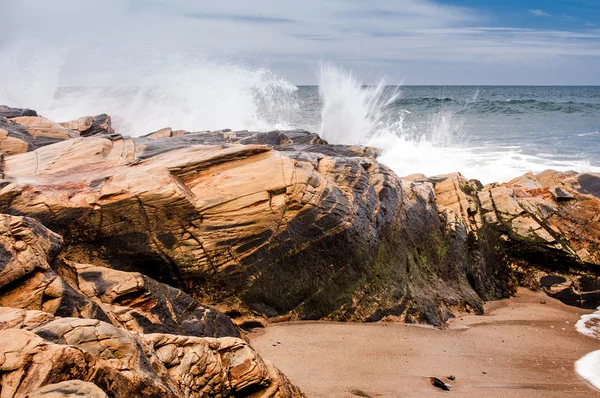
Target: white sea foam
145 90
588 367
350 112
150 91
589 325
357 114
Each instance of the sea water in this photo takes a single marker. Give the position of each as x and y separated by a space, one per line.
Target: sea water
490 133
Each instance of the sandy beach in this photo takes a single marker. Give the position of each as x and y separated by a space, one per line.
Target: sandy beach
523 347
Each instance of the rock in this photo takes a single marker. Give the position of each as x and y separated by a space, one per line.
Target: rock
14 138
10 113
312 239
360 393
128 300
97 346
25 133
439 384
26 279
165 133
544 229
43 131
69 389
122 363
145 306
327 233
91 125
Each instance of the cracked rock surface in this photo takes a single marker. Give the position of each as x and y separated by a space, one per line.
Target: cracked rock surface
102 332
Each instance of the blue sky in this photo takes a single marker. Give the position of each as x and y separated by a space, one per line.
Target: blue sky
409 41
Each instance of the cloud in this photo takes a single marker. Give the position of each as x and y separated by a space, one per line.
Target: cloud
427 41
539 13
240 18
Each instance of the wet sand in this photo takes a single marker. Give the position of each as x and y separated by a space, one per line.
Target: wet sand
520 348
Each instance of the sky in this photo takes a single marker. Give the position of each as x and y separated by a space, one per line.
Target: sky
551 42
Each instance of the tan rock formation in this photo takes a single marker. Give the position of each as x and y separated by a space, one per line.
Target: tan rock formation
91 125
209 219
69 389
282 224
39 352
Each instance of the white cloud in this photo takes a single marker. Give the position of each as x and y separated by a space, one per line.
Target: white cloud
420 39
540 13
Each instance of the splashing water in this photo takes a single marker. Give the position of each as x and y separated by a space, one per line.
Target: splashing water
147 90
351 113
183 91
355 114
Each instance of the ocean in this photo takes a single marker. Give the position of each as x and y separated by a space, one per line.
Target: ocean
489 133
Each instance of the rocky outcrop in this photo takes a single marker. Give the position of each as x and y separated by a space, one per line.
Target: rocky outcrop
23 130
91 125
277 225
8 112
123 364
327 233
549 227
125 333
284 225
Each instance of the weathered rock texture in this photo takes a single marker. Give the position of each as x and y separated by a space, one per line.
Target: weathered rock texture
23 130
285 225
124 333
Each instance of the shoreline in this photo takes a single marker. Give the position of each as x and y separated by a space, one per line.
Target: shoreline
523 346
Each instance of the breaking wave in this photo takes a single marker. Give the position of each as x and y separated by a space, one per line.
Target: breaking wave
147 90
353 113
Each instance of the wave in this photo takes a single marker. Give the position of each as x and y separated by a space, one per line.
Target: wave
149 91
506 107
353 113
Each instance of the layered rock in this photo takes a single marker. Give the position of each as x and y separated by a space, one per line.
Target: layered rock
278 225
285 225
298 228
64 322
549 224
23 130
123 364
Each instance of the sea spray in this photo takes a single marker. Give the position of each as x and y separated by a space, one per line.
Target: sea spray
436 131
146 92
190 94
26 81
351 113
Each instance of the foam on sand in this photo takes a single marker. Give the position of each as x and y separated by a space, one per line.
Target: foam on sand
588 367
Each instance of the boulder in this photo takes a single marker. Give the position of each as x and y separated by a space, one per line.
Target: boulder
91 125
69 389
9 113
279 223
62 321
122 363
